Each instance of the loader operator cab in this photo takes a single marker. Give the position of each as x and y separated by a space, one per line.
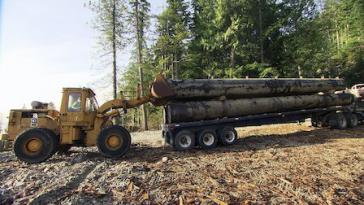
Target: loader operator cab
78 108
78 100
75 102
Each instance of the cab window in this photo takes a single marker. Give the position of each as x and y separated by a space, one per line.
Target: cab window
74 102
91 105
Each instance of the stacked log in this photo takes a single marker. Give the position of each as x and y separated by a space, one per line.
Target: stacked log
241 88
202 110
206 99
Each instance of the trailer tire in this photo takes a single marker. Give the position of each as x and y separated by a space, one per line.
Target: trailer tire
184 140
113 141
352 119
35 145
228 136
338 121
167 138
315 121
207 139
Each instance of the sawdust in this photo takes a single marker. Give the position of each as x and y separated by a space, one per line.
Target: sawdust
275 164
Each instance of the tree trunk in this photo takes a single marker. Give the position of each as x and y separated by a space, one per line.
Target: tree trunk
337 36
299 71
173 66
114 50
140 60
177 64
261 33
232 58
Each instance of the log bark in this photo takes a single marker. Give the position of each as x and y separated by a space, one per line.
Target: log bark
199 89
208 110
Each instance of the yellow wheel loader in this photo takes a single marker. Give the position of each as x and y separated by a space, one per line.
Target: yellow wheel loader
40 132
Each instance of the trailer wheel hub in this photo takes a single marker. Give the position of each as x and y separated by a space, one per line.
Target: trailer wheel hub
208 139
230 136
113 142
33 145
185 141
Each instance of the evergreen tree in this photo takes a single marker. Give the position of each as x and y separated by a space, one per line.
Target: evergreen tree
139 20
255 38
345 36
173 36
130 79
110 23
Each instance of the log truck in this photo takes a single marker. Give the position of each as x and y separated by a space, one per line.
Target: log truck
197 112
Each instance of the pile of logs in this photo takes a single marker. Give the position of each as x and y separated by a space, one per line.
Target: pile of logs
205 99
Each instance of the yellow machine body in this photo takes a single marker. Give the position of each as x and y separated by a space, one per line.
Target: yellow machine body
79 120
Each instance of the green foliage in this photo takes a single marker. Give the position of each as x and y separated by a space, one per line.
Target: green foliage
173 34
139 21
254 38
142 16
345 38
104 23
229 36
130 81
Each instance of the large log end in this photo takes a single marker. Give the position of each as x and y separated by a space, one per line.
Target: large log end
160 88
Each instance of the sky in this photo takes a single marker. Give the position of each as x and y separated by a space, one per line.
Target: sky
46 45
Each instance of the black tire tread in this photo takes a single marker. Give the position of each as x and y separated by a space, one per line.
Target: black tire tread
335 123
200 140
177 146
349 117
222 139
48 138
113 153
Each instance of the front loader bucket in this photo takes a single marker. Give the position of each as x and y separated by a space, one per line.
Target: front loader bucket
160 88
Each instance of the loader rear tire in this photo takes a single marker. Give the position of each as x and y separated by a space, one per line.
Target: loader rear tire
113 141
35 145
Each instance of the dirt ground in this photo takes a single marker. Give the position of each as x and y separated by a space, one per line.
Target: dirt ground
275 164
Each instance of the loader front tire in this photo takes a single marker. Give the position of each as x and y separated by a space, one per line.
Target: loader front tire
35 145
113 141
